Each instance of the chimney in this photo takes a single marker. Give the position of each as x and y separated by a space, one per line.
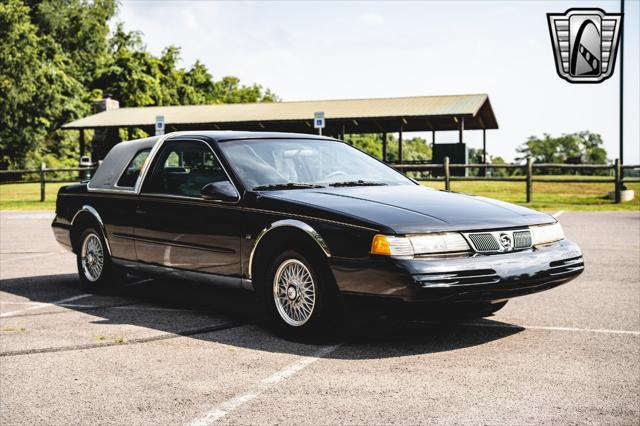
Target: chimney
104 138
105 104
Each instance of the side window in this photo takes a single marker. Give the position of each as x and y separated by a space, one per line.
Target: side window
131 173
183 168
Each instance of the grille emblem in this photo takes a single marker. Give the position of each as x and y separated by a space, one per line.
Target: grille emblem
506 242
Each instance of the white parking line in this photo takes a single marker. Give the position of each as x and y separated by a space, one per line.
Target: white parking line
128 308
537 327
31 256
231 404
557 214
30 308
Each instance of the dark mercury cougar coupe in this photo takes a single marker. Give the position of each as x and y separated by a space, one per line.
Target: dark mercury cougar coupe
302 220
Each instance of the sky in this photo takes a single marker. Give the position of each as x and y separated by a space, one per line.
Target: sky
342 50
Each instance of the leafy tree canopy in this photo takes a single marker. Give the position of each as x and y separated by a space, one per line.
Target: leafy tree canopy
413 149
58 56
580 147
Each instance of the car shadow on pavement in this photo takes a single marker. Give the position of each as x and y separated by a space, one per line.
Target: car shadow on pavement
180 308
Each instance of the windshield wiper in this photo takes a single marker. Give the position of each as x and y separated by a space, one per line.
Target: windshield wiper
290 185
358 183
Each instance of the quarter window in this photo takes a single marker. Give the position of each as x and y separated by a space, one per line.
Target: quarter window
131 173
183 168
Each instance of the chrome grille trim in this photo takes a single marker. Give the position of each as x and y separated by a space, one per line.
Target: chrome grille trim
521 239
567 266
499 241
484 242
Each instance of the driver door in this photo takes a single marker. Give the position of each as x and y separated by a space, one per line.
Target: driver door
175 227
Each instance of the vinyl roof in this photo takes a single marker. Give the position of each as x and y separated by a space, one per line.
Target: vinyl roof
418 113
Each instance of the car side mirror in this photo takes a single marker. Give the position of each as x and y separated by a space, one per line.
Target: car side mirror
220 191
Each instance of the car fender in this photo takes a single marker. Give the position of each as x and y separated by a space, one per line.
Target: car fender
293 223
88 210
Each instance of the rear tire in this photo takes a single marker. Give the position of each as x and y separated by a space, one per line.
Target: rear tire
299 296
97 272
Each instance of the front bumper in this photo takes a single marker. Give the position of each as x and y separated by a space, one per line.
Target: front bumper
468 278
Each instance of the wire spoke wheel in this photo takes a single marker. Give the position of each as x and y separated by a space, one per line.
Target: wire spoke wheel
294 292
92 257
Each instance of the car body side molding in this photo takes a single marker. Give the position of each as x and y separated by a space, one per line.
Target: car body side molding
308 229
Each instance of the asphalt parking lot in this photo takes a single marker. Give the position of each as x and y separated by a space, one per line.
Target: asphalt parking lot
177 353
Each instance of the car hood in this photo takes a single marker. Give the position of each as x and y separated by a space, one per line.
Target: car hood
410 208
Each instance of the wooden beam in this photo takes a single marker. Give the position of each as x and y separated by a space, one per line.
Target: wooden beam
481 122
384 147
400 144
83 146
484 146
426 120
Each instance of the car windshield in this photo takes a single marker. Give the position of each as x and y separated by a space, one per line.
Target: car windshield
264 164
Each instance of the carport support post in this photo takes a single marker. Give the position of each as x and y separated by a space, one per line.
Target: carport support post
82 143
400 145
41 173
447 175
618 180
384 147
529 179
484 152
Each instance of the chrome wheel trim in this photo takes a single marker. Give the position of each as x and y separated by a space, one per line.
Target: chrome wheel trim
92 257
294 292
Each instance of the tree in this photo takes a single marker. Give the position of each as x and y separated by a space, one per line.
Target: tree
135 77
580 147
573 148
414 149
37 90
58 56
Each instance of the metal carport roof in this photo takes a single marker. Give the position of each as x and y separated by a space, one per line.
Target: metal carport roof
419 113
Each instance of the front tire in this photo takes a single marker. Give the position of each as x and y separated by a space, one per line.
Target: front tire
300 296
97 272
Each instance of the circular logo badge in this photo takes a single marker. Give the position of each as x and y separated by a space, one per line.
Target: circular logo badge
506 242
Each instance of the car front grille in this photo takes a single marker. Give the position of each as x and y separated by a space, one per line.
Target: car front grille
484 242
490 242
521 239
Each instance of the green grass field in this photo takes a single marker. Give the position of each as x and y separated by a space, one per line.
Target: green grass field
546 196
26 196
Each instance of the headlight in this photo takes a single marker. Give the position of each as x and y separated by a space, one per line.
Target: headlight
544 234
418 244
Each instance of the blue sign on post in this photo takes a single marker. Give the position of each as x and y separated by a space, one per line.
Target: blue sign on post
318 121
159 125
